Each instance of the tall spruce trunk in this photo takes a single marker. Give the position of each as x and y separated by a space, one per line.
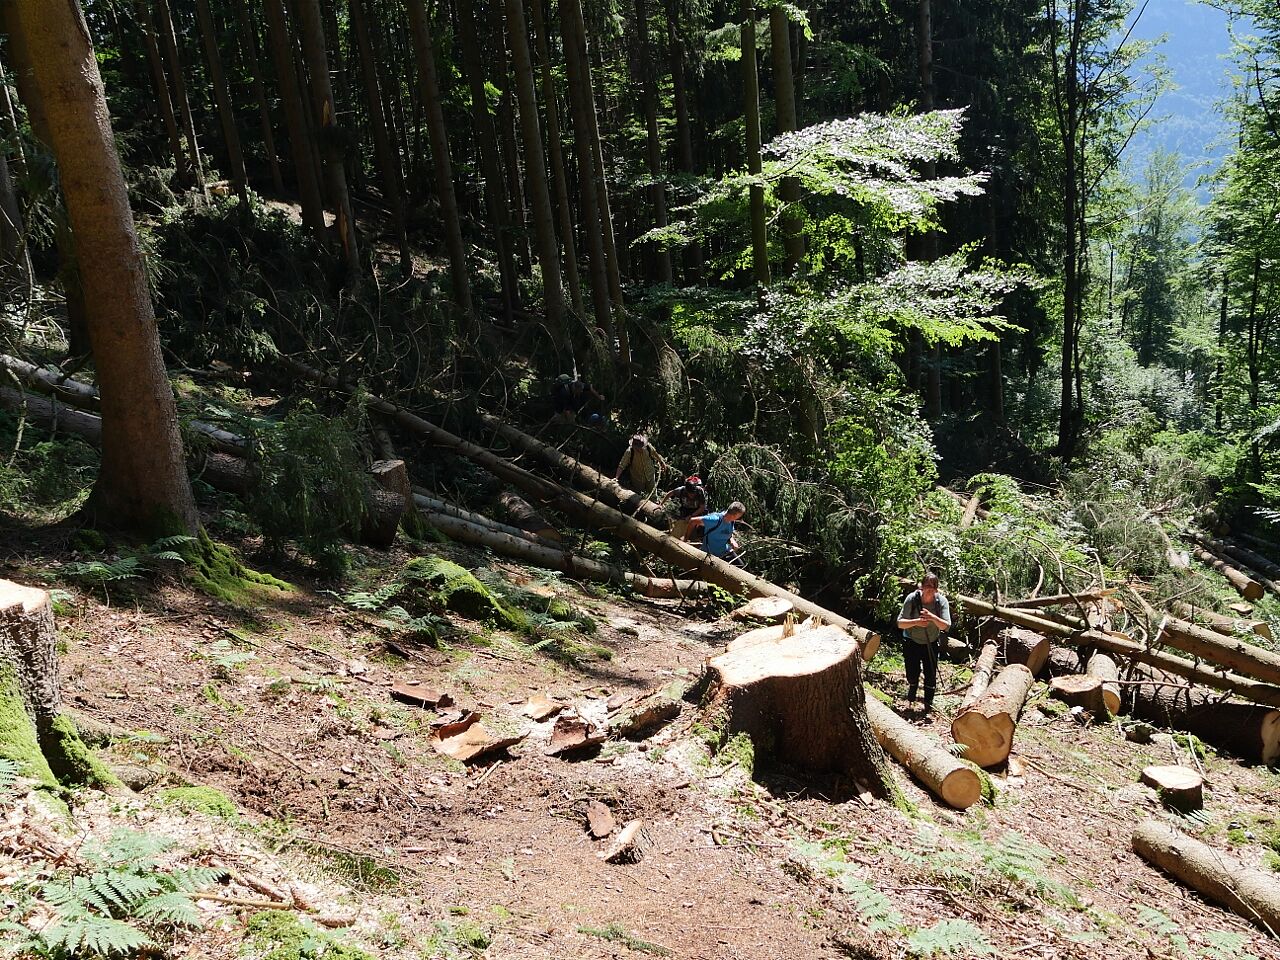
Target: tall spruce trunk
169 44
535 165
559 180
653 142
784 95
226 112
385 151
150 493
329 137
147 27
684 131
929 242
751 99
295 118
420 28
495 199
252 64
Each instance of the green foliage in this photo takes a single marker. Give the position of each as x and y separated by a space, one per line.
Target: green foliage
613 933
949 938
42 477
130 564
1011 867
284 936
453 939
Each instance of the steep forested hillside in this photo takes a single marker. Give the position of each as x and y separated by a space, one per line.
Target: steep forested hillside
487 478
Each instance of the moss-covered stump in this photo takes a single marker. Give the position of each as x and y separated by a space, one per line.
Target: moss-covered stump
213 569
445 585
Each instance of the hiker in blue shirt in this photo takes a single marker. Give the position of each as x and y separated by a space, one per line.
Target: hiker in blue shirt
717 529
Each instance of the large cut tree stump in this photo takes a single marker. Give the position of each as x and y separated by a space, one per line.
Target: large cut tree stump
987 725
1254 894
1080 691
1179 787
800 699
1019 645
1245 730
954 783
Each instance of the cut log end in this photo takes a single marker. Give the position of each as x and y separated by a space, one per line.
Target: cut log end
985 728
768 609
956 784
1179 787
1080 691
1019 645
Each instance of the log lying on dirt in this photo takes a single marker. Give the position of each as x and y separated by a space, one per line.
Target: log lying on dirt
1245 730
1020 645
1231 652
983 670
987 725
429 504
1251 893
1080 691
951 781
1220 623
1104 668
799 699
1178 787
1245 585
1122 646
1063 662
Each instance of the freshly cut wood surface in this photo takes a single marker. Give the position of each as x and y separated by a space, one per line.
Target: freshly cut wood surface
941 773
1080 691
1245 585
1020 645
986 727
1103 666
768 609
1180 787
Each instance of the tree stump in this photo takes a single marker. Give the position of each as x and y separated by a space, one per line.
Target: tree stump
1019 645
953 782
987 725
768 609
1253 894
801 701
1102 666
1080 691
1179 787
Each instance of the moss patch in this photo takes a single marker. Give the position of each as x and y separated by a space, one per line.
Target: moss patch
283 936
214 570
207 800
71 760
452 587
18 734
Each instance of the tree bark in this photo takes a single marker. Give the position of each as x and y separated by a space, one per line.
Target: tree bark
182 169
385 152
1178 787
983 671
946 777
423 44
147 493
751 98
1253 894
1230 626
1245 585
1103 666
169 44
304 168
784 95
226 113
986 727
1080 691
1230 652
535 166
801 701
330 139
1019 645
253 67
653 142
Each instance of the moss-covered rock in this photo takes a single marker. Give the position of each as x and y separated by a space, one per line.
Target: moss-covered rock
207 800
213 569
70 758
452 587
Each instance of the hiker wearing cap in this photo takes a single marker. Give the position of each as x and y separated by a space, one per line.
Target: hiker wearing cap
640 464
690 501
570 397
717 530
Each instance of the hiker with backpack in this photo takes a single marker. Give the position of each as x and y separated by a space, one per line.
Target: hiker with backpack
571 397
640 463
718 531
924 617
690 501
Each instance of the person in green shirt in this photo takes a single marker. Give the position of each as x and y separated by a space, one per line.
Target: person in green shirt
925 617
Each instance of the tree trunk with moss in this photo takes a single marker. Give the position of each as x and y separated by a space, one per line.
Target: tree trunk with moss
34 734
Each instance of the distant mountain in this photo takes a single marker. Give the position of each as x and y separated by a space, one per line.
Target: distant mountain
1190 119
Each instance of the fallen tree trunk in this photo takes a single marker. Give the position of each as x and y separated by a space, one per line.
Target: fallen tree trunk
801 702
430 504
983 670
1104 668
1062 599
1258 543
523 515
1230 652
1253 894
1219 623
951 781
1250 558
980 512
1245 585
1019 645
1130 650
987 725
1245 730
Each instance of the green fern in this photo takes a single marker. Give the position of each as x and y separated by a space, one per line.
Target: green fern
949 938
226 659
8 776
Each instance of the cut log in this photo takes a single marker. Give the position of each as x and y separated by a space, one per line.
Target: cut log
1231 652
1103 666
1177 560
801 702
1250 558
429 504
987 725
1178 787
383 511
1083 598
1244 730
1020 645
1219 623
1253 894
1063 662
1245 585
524 516
983 670
768 609
1080 691
1269 547
946 777
1122 646
970 511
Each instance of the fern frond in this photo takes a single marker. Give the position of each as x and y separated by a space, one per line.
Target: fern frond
949 938
91 934
191 878
174 908
171 543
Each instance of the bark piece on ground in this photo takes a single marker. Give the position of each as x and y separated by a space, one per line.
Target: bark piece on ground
540 707
645 717
418 694
1080 691
768 609
986 727
629 846
952 781
1019 645
600 822
1179 787
571 733
468 739
1253 894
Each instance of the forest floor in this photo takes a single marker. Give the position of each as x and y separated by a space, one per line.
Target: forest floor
283 706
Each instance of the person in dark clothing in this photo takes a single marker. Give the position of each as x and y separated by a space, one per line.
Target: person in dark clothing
690 501
925 617
570 397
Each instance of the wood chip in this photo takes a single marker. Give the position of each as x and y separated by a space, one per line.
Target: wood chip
468 739
600 820
418 694
571 733
540 707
